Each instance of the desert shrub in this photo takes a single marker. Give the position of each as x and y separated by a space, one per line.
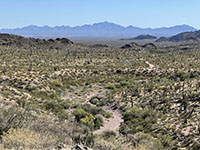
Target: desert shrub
46 95
30 88
25 139
94 111
68 82
88 120
59 109
21 102
62 114
194 75
11 118
55 83
117 85
124 129
112 143
195 146
165 140
79 113
98 122
50 105
82 134
40 94
108 134
94 101
53 106
55 96
110 86
88 139
102 144
141 147
66 104
147 141
85 139
99 101
107 114
49 125
124 83
138 120
141 123
91 109
181 75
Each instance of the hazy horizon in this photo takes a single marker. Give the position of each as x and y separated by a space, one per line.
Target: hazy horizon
139 13
98 23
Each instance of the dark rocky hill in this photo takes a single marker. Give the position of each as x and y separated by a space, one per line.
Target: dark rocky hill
133 46
181 37
136 47
143 37
20 41
150 46
162 39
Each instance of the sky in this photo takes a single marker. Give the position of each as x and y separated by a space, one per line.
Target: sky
140 13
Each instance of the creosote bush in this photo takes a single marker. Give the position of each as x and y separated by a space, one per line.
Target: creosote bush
138 120
25 139
88 118
11 117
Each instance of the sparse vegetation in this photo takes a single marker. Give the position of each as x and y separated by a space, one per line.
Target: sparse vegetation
71 91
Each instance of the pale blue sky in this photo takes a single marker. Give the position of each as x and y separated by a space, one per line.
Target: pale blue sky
141 13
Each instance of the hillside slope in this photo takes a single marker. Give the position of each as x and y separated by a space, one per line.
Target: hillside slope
181 37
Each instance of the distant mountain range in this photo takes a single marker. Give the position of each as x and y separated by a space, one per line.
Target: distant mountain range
102 29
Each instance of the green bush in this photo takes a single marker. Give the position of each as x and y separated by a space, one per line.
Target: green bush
88 120
99 102
86 117
124 83
165 140
41 94
56 108
66 104
62 115
109 134
138 120
56 83
110 86
91 109
181 75
94 101
79 113
98 122
107 114
148 141
45 95
52 105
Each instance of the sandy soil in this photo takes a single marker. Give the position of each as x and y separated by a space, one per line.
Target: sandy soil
112 124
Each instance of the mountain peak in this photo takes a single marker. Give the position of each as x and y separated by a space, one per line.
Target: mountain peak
103 23
106 24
